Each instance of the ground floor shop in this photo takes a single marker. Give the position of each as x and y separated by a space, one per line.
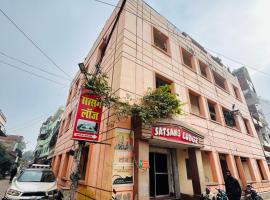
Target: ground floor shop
162 161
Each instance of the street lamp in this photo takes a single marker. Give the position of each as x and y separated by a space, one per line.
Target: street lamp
82 68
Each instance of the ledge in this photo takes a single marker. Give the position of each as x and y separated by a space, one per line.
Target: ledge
161 50
82 182
65 178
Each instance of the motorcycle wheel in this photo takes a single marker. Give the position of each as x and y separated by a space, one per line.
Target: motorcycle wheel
258 198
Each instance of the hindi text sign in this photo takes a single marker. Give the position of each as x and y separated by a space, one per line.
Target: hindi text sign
88 117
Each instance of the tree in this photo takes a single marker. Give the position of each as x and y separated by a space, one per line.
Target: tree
5 161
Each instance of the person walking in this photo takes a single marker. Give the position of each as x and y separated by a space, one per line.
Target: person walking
13 173
233 187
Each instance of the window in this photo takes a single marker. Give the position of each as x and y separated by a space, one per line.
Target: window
101 48
207 168
58 165
189 169
236 92
247 126
260 167
76 87
65 166
230 118
67 125
220 81
161 81
196 104
160 40
204 70
245 164
83 162
187 58
213 111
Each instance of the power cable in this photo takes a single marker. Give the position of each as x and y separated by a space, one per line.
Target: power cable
173 33
28 124
32 73
32 66
33 43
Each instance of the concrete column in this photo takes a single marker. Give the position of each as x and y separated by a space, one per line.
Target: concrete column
265 169
254 171
241 171
215 165
231 165
141 190
175 174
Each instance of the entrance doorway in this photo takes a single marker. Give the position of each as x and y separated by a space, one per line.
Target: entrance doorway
159 174
223 164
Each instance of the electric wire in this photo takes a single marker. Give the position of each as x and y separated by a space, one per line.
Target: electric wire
32 73
179 35
32 66
33 43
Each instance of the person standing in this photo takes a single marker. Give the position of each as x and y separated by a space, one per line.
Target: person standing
233 187
13 173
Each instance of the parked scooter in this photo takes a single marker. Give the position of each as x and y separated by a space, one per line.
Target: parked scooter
207 195
221 195
251 194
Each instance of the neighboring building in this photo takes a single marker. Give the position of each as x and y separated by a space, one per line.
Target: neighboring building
3 122
14 145
265 105
147 51
257 112
47 138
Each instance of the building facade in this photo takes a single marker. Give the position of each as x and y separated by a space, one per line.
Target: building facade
14 145
173 157
47 138
255 106
3 122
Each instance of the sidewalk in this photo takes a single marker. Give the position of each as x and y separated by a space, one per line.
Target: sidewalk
3 187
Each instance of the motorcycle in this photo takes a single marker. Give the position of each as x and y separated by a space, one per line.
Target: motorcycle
251 194
221 195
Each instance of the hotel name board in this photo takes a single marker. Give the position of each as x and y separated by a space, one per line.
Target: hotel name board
174 133
88 117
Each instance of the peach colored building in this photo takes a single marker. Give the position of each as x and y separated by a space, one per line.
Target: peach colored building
185 154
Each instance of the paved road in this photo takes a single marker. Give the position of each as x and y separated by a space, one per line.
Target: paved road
3 187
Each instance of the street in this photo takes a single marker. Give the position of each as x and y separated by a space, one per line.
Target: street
3 187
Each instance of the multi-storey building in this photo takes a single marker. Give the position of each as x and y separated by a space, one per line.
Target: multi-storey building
254 103
3 121
173 157
47 138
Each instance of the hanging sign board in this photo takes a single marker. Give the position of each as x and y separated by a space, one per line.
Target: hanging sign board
175 133
88 117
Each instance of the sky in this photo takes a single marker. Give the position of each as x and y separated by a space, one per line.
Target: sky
66 29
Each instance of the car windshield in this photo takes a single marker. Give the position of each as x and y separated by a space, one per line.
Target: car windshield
36 176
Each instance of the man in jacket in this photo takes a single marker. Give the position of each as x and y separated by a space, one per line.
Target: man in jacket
233 187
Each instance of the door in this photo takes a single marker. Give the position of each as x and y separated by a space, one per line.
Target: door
159 174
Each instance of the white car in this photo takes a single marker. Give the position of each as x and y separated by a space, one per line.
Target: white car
33 183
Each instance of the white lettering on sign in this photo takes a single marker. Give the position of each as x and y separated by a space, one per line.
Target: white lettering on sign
175 134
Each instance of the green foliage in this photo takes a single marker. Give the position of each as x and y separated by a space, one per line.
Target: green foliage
100 86
5 160
156 104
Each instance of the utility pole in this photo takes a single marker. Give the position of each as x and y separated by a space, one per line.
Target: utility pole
75 174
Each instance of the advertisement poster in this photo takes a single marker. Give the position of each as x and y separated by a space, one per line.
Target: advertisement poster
122 174
123 157
88 117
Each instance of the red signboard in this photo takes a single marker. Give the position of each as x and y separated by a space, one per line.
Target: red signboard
175 133
88 117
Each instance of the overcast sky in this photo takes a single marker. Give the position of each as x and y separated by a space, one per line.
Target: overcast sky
66 30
